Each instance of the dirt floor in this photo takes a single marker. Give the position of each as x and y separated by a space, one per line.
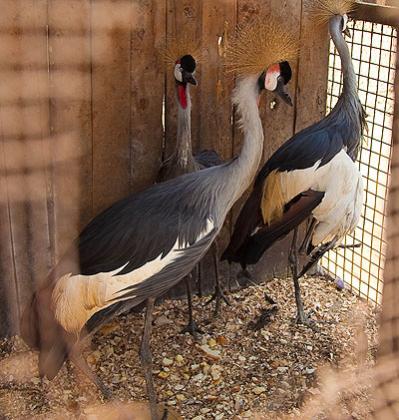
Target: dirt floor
231 372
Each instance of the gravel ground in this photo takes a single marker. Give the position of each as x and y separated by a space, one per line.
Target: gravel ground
230 372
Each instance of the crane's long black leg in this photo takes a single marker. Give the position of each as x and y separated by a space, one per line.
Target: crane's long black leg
308 236
316 255
301 317
192 326
218 295
76 356
146 358
199 279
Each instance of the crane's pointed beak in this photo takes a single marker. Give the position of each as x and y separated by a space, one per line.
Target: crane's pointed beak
282 92
347 33
189 78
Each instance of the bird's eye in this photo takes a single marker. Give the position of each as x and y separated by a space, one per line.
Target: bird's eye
286 71
178 73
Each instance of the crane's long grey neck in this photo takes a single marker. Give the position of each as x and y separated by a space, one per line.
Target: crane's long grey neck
183 143
243 169
348 71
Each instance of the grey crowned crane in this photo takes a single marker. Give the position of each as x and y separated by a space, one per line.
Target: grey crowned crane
143 245
182 161
312 174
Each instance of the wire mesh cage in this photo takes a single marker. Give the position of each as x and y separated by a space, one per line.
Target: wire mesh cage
373 48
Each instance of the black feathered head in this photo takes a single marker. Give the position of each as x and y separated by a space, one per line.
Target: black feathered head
185 69
264 48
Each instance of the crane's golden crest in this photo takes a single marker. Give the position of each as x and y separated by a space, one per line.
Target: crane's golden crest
257 45
176 48
323 10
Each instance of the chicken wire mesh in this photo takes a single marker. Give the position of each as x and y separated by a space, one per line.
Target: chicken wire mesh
373 49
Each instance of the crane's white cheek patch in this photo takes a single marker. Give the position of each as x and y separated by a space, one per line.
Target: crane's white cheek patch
178 73
272 74
77 298
271 81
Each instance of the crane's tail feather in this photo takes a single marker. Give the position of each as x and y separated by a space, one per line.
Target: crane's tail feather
297 211
41 331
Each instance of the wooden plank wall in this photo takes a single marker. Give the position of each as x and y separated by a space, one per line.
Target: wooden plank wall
87 111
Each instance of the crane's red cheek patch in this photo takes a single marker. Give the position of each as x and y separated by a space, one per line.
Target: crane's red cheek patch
181 90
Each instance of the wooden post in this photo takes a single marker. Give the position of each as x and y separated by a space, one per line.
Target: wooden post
27 206
70 118
111 66
389 331
147 92
311 90
184 21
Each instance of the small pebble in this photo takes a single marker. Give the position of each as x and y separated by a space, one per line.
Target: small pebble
205 410
212 354
167 362
179 359
259 390
181 397
339 284
212 343
199 377
163 374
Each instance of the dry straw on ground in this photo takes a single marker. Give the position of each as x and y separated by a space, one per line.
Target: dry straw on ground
232 372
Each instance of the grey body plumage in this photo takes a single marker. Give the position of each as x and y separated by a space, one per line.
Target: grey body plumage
137 230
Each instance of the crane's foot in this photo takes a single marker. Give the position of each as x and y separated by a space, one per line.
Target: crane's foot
233 284
245 276
106 392
219 297
269 299
192 328
264 319
304 319
266 315
165 414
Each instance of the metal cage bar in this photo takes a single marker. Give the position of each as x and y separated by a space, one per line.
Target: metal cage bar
373 48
